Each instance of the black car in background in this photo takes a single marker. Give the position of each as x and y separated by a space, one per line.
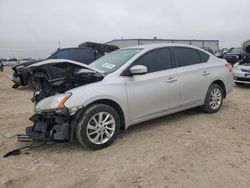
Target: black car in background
221 53
85 53
234 55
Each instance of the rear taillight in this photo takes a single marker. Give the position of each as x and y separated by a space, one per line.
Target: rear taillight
229 66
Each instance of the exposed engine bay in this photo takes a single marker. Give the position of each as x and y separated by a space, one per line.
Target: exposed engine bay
73 79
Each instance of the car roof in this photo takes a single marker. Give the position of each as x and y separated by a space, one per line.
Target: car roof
161 45
149 47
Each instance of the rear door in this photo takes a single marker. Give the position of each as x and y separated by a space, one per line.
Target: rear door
155 92
193 74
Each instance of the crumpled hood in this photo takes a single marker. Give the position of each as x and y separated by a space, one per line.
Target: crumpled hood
51 61
25 64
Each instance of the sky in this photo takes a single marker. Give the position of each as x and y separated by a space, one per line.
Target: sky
32 28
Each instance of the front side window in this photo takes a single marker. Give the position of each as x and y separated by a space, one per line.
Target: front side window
156 60
113 61
186 56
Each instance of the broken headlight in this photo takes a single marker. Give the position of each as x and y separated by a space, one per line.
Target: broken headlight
52 103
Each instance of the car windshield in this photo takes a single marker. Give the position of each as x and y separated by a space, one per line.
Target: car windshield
236 51
113 61
50 54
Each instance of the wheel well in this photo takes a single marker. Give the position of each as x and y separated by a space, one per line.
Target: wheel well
222 85
24 80
40 72
114 105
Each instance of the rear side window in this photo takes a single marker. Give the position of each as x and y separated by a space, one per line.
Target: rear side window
204 56
156 60
186 56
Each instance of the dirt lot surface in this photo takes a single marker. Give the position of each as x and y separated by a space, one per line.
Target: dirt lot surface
187 149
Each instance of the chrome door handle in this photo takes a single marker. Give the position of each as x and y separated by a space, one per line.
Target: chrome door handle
170 80
205 73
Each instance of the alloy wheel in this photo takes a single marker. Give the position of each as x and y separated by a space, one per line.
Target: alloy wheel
101 128
215 98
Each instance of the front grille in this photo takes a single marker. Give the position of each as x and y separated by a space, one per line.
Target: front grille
245 70
231 60
242 79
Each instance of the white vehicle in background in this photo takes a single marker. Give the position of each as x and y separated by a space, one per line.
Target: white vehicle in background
241 70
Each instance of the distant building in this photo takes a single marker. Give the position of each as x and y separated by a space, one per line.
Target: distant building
122 43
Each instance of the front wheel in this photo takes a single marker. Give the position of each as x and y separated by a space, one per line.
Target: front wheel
98 126
31 82
214 99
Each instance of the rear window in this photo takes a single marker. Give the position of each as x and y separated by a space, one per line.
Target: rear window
204 56
186 56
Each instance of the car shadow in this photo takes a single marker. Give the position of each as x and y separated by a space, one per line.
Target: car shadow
64 148
161 121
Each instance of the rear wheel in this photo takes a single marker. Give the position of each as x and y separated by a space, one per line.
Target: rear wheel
214 99
98 126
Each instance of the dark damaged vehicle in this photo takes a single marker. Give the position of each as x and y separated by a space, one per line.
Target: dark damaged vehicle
85 54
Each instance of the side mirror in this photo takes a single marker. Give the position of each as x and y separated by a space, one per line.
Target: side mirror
138 70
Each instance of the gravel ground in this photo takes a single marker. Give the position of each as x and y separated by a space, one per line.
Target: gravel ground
187 149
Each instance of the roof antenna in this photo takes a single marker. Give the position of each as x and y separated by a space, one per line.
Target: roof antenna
59 44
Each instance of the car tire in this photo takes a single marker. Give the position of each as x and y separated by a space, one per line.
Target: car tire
214 99
98 126
238 83
35 81
31 82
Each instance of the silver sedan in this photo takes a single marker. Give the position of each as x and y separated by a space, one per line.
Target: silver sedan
139 83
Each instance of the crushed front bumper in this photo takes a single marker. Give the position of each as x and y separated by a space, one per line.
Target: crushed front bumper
48 127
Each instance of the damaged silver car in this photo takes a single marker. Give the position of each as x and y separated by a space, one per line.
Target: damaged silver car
139 83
